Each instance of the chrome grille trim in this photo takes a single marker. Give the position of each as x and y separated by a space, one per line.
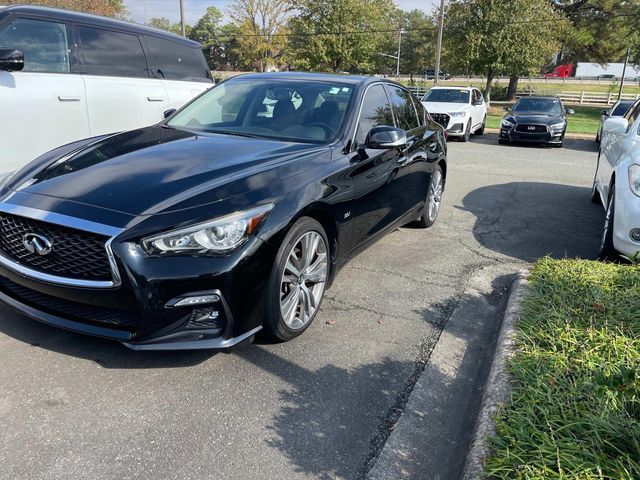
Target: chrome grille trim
70 222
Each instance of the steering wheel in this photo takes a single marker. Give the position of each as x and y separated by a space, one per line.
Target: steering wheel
327 128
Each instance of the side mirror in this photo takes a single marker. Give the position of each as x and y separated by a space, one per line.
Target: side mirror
383 138
168 113
506 109
615 125
569 111
478 102
11 60
605 112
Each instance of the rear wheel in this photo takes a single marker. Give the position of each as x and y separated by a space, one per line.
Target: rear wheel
595 196
298 280
607 250
434 198
467 132
480 131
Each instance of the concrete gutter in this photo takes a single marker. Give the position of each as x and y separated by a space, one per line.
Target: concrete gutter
498 387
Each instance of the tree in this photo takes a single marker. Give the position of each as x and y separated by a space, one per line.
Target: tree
165 24
206 32
343 35
602 29
109 8
418 44
260 24
493 37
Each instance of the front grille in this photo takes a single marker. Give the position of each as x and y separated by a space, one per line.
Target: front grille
441 118
75 254
527 128
68 309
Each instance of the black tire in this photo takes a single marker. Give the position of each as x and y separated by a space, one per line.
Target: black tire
595 196
425 221
598 137
502 142
480 131
274 324
467 132
557 145
607 250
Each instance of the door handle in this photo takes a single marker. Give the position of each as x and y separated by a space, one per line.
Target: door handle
68 98
155 99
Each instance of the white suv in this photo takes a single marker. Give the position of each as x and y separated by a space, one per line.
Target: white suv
460 110
65 76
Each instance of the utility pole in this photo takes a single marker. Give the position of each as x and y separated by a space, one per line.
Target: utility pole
182 18
401 32
624 71
436 76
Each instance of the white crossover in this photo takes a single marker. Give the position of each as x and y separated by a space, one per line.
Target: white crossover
616 184
66 76
462 111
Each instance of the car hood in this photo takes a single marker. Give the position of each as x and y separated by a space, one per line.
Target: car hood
152 170
534 118
445 107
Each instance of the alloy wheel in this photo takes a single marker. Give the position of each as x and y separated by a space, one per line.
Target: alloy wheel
435 195
303 280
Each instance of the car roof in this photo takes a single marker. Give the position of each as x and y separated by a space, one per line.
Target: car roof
71 16
452 87
316 77
540 97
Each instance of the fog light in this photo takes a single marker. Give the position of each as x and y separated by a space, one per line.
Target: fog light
635 234
205 318
197 300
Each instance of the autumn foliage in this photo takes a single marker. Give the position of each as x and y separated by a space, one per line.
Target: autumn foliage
110 8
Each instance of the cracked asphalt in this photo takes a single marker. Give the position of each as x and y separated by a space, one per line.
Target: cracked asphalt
321 406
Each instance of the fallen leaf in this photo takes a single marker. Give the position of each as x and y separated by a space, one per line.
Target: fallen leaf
598 307
380 322
330 322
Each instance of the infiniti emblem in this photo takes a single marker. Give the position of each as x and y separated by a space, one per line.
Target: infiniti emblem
531 127
37 244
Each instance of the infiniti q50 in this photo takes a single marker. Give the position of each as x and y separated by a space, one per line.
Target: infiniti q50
231 216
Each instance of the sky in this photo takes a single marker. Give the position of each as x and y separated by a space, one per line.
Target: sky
142 11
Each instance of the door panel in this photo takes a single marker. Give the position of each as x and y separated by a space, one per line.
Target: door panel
43 106
181 92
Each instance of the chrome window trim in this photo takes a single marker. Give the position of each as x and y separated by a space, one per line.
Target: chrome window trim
70 222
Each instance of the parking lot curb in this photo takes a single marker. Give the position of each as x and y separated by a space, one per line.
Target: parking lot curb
498 386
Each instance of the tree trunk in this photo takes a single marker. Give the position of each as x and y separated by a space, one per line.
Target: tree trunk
487 88
512 88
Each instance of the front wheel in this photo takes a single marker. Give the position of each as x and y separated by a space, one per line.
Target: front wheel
298 280
434 198
607 250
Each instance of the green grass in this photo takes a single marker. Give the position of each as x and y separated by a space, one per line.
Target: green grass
586 119
575 405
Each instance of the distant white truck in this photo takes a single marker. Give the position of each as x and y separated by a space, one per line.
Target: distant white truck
595 70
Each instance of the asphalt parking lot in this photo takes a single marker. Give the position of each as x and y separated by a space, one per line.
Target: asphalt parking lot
320 406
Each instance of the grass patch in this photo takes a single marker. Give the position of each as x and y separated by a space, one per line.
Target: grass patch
585 120
575 404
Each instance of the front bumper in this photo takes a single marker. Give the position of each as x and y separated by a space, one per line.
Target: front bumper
139 312
544 138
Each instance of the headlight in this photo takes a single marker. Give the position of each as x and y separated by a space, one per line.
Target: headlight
634 178
507 124
222 235
5 177
457 114
557 126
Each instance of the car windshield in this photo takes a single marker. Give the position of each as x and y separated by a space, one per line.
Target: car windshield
447 95
539 105
621 109
272 108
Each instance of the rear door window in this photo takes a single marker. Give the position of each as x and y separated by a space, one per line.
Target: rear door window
178 62
110 53
44 44
403 108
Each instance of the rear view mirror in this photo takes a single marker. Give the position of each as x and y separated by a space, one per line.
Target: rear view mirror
615 125
384 137
11 60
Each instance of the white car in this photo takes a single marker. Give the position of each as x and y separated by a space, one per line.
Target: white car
66 76
616 184
462 111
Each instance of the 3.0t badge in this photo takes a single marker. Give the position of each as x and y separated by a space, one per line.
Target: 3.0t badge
37 244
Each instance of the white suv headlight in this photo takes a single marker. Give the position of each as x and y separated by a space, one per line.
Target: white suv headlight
634 178
222 235
457 114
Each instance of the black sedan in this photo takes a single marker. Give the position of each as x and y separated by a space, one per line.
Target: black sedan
540 120
231 216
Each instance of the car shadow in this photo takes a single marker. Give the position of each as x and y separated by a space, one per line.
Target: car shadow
528 220
582 145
